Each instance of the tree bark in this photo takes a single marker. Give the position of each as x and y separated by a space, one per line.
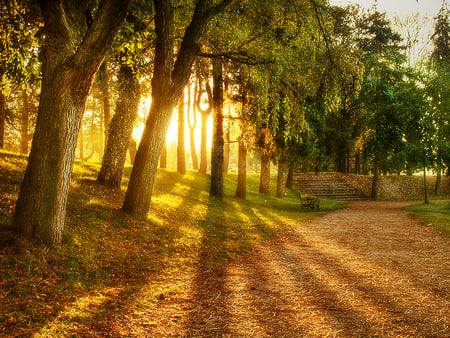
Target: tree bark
181 149
241 190
120 128
280 179
2 119
167 87
216 188
71 56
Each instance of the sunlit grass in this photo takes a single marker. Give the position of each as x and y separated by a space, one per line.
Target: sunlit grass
435 214
109 262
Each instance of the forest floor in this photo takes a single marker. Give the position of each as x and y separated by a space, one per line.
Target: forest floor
369 270
202 267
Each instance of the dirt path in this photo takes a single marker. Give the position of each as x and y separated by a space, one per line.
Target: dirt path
369 270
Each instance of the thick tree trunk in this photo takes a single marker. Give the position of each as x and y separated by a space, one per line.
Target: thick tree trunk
216 188
280 179
290 178
241 190
24 136
120 128
264 180
181 149
71 56
2 118
376 176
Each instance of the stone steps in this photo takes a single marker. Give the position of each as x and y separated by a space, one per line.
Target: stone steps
329 186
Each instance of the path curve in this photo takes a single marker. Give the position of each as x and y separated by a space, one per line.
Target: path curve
370 270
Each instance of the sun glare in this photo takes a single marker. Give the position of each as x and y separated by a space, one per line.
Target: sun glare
172 132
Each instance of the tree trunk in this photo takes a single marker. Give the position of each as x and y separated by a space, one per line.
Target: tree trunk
162 157
226 148
167 87
106 100
204 129
181 149
376 176
71 56
290 178
241 190
280 179
2 118
24 122
120 128
132 148
192 124
425 187
437 187
216 188
264 180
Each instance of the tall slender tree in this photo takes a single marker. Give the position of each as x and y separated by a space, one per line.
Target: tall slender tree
218 141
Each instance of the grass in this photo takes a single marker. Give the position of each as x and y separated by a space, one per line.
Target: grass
436 214
110 263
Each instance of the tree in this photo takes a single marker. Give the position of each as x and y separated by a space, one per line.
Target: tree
169 79
192 123
438 90
379 97
19 35
129 49
74 49
204 113
181 149
218 141
120 128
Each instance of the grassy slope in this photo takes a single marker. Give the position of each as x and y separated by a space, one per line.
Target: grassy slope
436 214
107 256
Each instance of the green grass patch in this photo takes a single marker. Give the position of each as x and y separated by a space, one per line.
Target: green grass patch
436 214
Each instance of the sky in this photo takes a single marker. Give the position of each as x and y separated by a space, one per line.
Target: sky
399 7
400 10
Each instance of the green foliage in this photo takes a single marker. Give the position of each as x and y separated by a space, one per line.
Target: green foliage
18 43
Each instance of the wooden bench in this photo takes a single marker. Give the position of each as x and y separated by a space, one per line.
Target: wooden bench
310 202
